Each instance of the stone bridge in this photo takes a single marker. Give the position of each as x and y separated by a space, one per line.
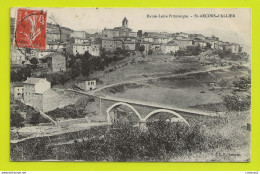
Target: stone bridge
143 111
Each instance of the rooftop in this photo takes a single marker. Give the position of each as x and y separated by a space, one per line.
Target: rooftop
33 81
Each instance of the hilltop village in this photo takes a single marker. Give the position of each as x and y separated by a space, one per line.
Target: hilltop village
72 57
67 41
68 94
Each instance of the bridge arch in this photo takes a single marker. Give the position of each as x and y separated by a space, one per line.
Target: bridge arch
168 111
124 104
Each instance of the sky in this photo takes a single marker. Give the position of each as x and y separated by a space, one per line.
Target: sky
96 19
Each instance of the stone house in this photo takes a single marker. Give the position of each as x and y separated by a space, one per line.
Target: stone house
186 35
110 33
17 90
111 44
235 48
79 34
17 57
148 39
53 36
170 48
199 42
93 49
86 85
79 40
121 31
132 34
56 62
38 94
183 43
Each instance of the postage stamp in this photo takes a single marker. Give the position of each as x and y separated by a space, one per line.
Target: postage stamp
31 29
130 84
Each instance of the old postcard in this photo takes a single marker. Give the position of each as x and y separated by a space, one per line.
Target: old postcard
131 84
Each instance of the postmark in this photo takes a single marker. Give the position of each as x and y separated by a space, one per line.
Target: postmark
31 29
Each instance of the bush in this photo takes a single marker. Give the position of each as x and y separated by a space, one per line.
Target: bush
243 84
150 52
16 119
234 103
68 112
122 142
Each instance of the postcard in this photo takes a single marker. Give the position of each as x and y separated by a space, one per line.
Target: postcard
130 84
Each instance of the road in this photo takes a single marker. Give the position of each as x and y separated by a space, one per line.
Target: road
152 104
153 78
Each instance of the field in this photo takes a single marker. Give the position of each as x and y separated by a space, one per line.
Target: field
84 135
206 140
185 91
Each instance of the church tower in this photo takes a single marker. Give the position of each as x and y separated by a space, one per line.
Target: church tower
125 23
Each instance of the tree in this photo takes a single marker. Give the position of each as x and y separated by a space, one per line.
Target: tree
75 71
34 61
137 46
16 119
139 33
141 48
243 84
35 118
208 46
150 52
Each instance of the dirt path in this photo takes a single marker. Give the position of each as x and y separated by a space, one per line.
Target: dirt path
152 78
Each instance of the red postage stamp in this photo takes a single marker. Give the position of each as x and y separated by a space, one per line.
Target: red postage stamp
31 29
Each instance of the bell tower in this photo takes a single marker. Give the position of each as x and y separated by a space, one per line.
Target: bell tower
125 23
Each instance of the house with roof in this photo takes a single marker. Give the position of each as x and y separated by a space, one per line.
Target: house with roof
162 39
183 43
17 57
156 34
132 34
199 36
86 85
93 49
53 36
186 35
38 94
79 34
122 31
148 39
55 46
234 48
170 47
56 62
111 44
79 40
17 90
199 42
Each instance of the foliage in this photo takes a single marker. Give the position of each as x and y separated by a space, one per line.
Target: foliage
190 51
67 112
21 74
122 142
150 52
16 119
34 117
139 33
34 61
243 84
235 103
141 48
